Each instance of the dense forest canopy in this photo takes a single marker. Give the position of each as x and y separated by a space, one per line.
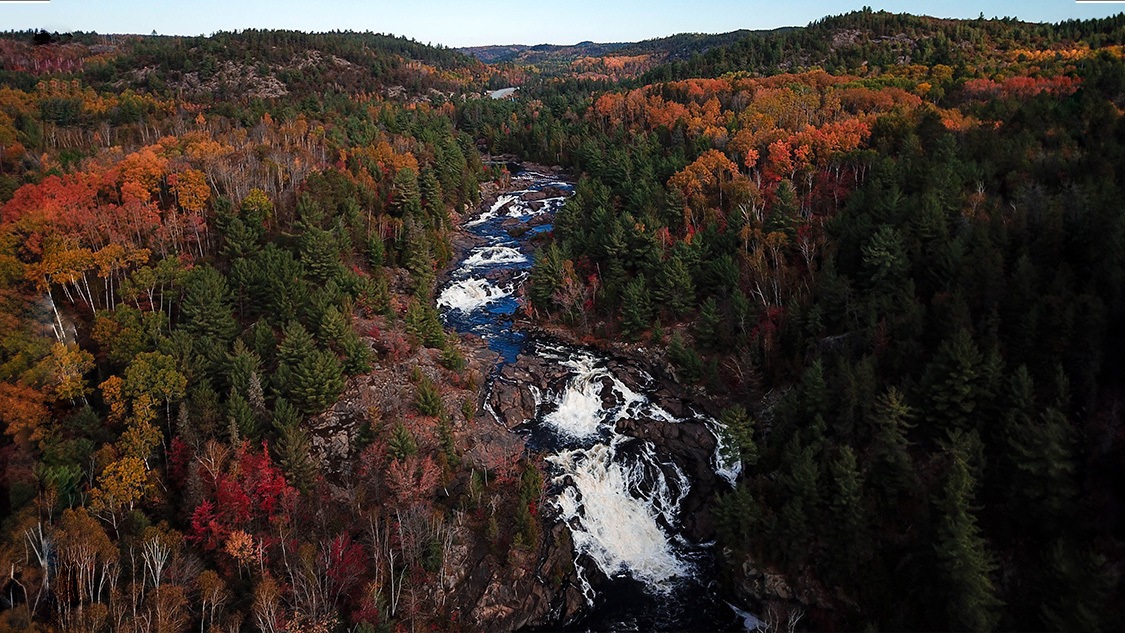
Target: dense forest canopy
890 248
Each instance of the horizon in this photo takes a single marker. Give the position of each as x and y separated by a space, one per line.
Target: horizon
467 24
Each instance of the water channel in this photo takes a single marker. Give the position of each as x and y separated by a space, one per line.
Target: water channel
621 498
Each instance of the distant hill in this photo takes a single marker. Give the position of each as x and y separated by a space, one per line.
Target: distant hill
561 57
248 64
881 39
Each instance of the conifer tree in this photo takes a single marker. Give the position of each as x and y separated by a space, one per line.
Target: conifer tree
952 384
847 521
686 361
675 290
636 309
892 469
963 556
401 443
427 399
294 456
707 327
242 416
317 381
206 311
546 277
320 254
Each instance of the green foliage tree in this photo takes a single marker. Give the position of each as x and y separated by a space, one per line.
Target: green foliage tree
636 307
317 381
427 398
206 311
546 277
963 556
676 291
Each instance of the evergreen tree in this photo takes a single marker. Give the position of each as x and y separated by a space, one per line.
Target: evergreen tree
427 399
952 384
407 199
799 513
686 361
707 328
242 364
320 254
423 323
783 214
849 535
892 469
334 327
739 429
294 450
418 256
546 277
357 355
963 557
1078 592
242 417
376 252
317 381
401 443
636 310
206 311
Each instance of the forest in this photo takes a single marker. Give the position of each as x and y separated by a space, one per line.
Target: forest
890 249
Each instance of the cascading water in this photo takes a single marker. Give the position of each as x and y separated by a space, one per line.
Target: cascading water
620 498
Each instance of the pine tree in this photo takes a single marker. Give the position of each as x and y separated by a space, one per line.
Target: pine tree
294 450
427 399
401 443
783 213
686 361
262 341
432 199
334 327
546 277
206 311
963 556
242 364
707 328
849 538
423 323
407 199
357 355
676 292
636 310
242 416
799 513
376 252
418 257
320 254
1079 588
892 470
317 381
296 344
739 429
952 384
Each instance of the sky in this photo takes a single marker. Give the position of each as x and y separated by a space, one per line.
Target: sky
478 22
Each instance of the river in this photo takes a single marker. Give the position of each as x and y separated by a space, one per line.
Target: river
621 497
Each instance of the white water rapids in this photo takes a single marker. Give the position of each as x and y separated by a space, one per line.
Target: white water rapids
619 496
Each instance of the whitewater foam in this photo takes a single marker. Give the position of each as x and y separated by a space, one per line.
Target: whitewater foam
614 506
471 294
494 210
491 256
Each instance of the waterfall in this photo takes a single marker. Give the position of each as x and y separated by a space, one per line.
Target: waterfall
618 495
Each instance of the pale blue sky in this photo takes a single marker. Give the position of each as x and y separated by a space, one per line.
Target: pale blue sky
469 23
